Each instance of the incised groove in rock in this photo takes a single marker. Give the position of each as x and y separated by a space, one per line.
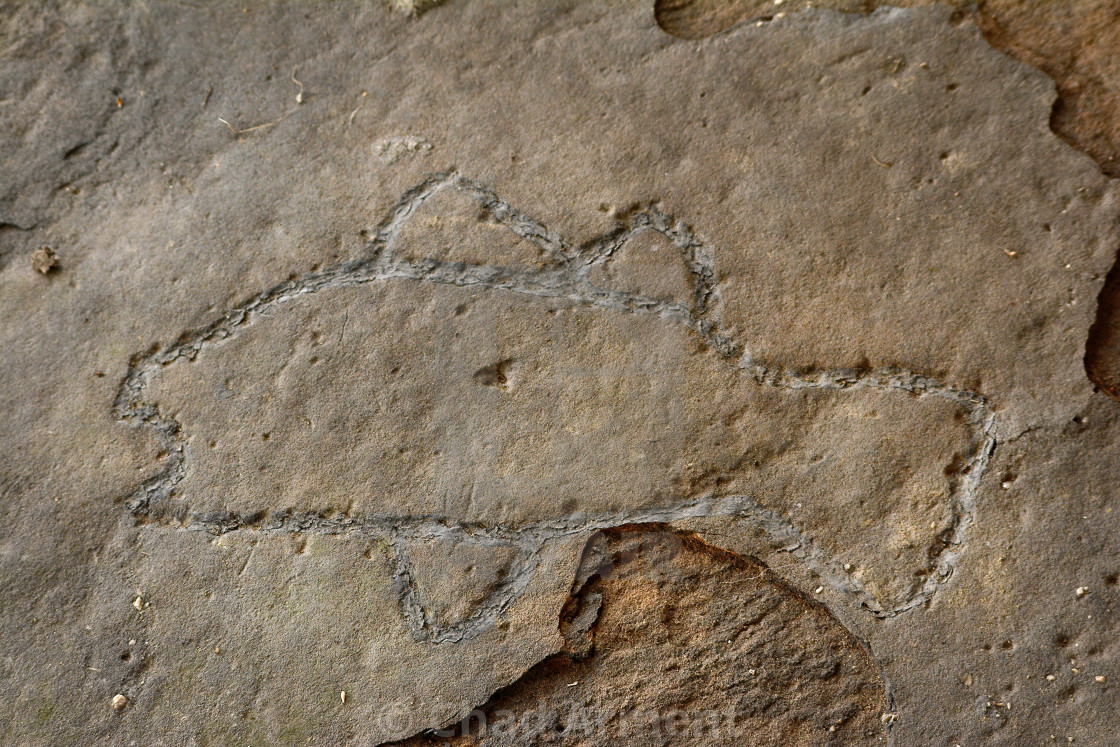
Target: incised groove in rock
681 424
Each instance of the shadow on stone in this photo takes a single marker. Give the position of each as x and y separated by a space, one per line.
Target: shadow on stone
1102 349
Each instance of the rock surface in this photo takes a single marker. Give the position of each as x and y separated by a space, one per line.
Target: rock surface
370 331
667 608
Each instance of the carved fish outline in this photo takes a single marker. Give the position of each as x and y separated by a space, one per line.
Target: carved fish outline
565 275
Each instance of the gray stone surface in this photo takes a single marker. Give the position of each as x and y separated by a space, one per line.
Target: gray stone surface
364 326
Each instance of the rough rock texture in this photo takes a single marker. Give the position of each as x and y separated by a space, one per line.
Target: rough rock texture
367 326
1073 42
672 642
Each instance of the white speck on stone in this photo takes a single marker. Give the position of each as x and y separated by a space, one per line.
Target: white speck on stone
118 702
1081 591
392 149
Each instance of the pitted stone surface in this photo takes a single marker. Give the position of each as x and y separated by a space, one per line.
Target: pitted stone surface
362 328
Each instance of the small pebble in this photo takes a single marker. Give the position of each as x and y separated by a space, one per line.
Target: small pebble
44 260
342 696
138 603
119 701
1081 591
1101 678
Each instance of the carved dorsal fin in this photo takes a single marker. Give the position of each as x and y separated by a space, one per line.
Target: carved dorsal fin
460 222
646 263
